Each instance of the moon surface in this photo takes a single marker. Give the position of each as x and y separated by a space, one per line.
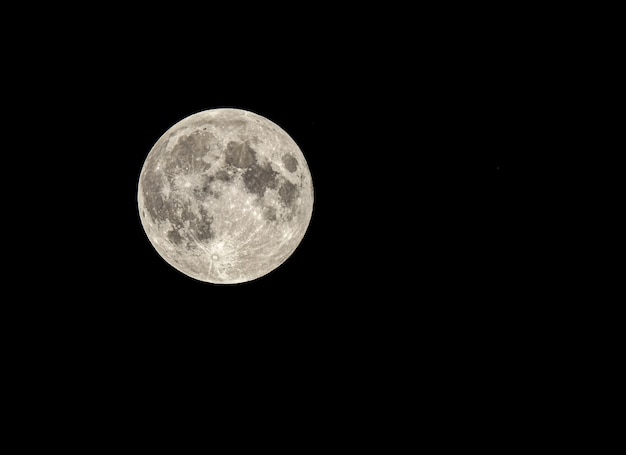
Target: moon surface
225 196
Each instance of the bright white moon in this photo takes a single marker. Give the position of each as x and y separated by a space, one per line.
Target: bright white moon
225 196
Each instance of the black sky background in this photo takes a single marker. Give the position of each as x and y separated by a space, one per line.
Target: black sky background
413 136
417 129
415 132
410 231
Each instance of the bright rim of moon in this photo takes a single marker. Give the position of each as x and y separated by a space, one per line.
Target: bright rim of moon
225 196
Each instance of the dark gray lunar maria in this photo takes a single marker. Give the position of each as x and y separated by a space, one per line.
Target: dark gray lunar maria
225 196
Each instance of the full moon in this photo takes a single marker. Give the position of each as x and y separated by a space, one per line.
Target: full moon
225 196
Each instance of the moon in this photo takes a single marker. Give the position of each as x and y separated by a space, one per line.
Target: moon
225 196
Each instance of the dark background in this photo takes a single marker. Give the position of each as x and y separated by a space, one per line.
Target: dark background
409 137
419 265
414 134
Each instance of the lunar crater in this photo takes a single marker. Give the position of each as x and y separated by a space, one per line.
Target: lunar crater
291 164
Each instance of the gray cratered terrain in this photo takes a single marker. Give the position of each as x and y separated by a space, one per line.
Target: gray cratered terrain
225 196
